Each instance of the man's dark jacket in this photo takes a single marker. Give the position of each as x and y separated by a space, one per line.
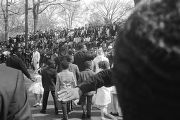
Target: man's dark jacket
49 78
81 57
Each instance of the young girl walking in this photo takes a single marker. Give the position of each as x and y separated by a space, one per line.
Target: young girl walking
65 79
37 89
103 96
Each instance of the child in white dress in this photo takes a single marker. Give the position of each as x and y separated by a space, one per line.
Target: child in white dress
103 96
37 89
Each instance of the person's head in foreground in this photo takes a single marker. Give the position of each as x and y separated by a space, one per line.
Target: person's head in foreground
13 95
147 62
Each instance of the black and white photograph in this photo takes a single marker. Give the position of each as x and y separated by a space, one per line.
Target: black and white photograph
89 59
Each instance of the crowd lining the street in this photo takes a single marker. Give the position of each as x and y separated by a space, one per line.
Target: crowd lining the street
90 44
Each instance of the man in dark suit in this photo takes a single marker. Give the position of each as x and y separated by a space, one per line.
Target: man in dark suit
49 83
82 56
13 96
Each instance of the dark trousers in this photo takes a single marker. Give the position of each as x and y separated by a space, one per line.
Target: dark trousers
64 109
89 103
87 100
45 99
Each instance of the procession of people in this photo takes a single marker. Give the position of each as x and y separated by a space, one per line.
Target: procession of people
61 61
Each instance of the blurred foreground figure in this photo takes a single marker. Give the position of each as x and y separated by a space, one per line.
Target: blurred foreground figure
13 61
146 64
13 96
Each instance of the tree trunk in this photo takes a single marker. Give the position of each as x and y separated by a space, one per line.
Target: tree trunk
36 14
35 22
6 20
26 24
136 1
6 29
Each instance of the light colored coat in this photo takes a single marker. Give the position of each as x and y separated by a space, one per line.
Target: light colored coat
36 59
65 79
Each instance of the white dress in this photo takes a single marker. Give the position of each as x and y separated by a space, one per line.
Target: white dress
36 87
36 59
103 96
97 60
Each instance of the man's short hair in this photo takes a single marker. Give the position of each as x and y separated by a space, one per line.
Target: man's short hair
88 64
50 63
81 46
65 65
70 58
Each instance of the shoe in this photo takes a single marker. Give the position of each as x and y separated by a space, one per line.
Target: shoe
56 112
88 116
114 114
35 105
83 116
43 111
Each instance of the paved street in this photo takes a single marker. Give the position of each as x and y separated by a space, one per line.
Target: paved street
75 115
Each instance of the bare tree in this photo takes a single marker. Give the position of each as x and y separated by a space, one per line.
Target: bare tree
136 1
95 19
6 11
71 13
112 10
39 6
47 20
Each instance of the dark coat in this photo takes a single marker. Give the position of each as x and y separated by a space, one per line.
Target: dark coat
49 79
102 78
13 96
58 60
81 57
15 62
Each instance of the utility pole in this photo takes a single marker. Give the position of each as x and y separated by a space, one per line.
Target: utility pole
26 24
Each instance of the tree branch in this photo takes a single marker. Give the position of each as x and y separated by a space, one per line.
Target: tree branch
17 13
61 4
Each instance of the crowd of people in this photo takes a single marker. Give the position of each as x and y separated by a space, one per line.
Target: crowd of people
55 55
50 42
143 66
